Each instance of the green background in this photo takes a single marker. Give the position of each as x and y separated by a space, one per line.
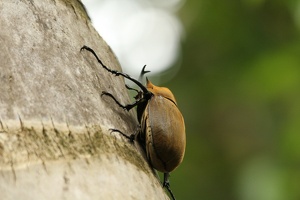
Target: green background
238 88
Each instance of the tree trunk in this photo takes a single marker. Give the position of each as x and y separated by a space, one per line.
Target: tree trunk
55 141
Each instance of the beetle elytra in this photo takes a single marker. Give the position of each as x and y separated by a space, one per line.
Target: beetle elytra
162 128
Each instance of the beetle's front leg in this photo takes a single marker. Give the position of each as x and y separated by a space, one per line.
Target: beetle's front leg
126 107
116 73
166 184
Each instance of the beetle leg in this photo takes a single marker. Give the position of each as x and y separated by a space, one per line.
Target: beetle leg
130 88
139 93
166 184
126 107
116 73
130 138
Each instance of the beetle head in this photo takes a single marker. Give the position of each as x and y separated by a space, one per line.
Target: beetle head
160 91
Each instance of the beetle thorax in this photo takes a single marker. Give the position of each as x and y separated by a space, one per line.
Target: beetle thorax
161 91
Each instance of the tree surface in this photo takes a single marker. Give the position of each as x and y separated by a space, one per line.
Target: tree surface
55 141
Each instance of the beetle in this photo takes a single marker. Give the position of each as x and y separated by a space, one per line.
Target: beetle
162 128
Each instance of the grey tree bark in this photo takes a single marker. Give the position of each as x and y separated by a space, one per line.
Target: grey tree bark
54 137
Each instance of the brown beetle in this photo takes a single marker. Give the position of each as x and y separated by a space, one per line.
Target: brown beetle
163 126
162 129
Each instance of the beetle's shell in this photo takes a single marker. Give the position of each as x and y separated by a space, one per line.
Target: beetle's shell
164 129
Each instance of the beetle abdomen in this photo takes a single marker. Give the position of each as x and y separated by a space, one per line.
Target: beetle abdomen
165 134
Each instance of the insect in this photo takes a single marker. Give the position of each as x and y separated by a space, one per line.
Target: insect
162 128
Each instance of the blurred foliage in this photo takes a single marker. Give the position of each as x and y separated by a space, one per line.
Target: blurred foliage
239 91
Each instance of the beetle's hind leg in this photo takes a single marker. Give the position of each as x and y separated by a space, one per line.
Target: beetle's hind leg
166 184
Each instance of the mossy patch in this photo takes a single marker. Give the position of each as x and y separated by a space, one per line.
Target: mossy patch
48 142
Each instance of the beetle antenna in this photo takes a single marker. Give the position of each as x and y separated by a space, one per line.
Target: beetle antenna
166 184
116 73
